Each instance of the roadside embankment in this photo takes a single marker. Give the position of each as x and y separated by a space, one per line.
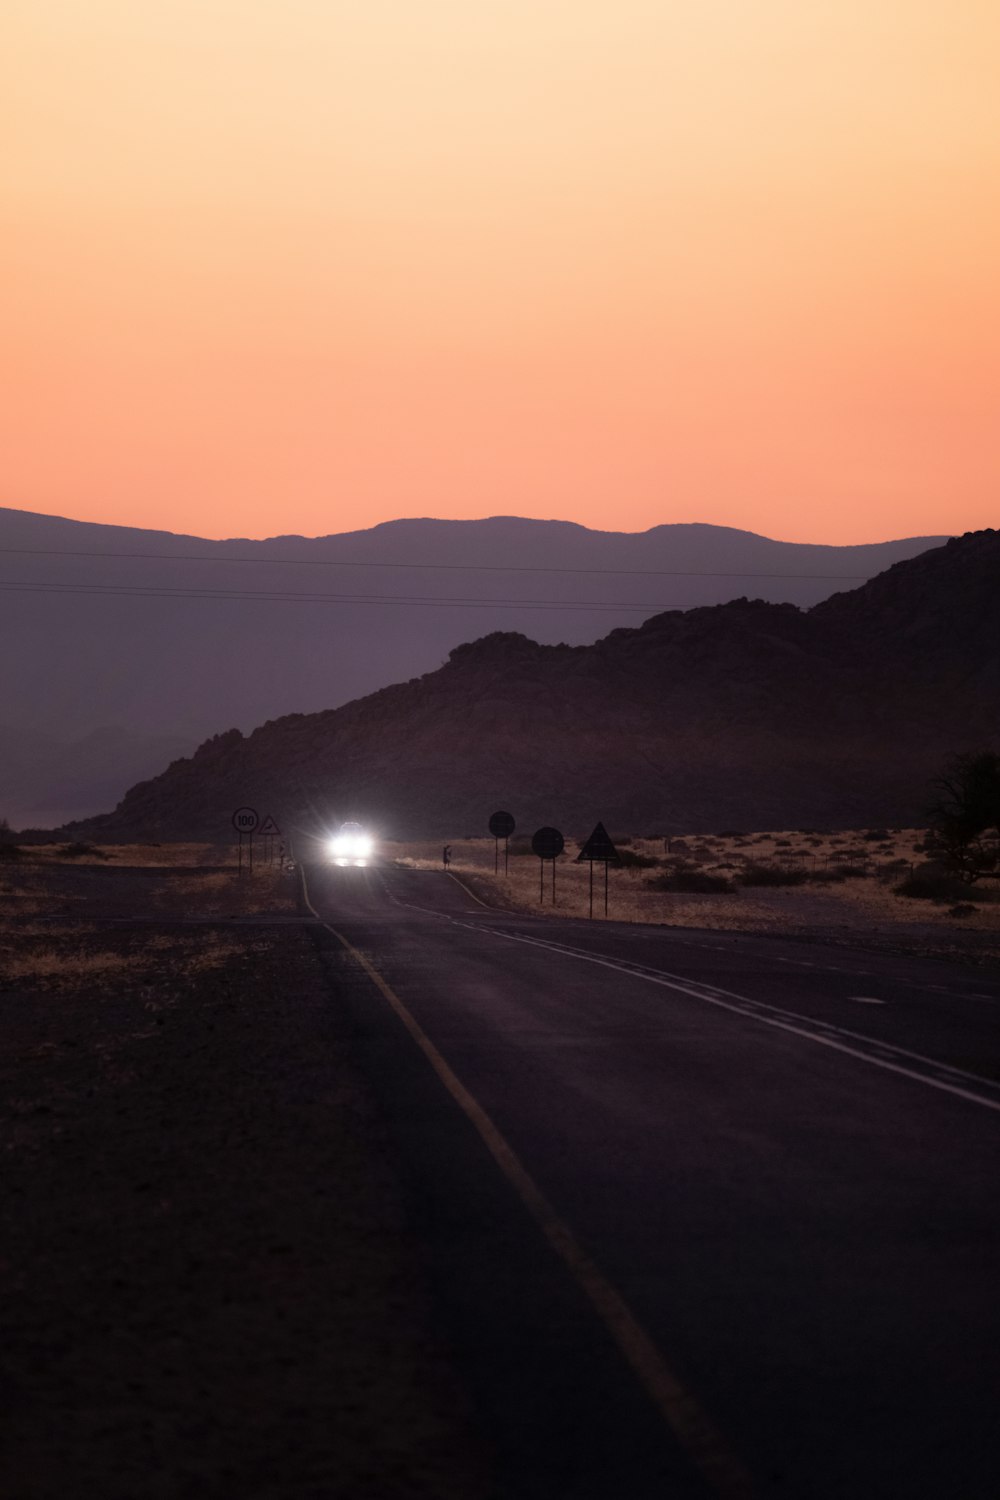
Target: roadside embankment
212 1288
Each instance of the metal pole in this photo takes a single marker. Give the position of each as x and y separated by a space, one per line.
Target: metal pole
239 837
541 882
591 862
496 855
506 855
605 887
251 854
553 882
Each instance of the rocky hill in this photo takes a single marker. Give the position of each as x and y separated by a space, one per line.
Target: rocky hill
746 714
149 641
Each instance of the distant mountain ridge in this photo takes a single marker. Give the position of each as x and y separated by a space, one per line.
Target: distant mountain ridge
745 714
160 641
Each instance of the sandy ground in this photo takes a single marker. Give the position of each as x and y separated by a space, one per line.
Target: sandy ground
211 1289
862 909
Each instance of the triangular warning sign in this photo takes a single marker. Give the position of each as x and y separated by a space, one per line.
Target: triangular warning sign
269 829
599 848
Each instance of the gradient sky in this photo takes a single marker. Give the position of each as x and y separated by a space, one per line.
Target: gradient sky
306 265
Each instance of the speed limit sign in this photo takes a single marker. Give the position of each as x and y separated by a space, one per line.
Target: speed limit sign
245 820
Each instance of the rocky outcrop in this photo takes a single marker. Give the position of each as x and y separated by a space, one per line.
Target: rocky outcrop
745 714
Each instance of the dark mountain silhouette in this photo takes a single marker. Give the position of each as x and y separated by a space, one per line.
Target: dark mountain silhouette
174 666
745 714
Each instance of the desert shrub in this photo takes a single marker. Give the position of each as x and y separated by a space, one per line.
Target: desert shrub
631 859
930 883
684 876
892 869
80 851
962 909
876 835
731 833
782 843
10 853
838 873
754 874
964 831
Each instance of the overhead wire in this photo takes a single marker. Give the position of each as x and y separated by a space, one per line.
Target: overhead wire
333 562
269 596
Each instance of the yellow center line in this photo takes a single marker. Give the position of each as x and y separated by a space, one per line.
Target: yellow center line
702 1443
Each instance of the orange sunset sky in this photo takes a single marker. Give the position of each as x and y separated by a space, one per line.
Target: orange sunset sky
306 265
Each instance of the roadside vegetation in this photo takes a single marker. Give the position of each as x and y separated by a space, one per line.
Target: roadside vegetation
880 884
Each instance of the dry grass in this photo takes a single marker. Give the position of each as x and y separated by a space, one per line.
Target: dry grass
71 958
45 946
860 905
199 880
137 856
221 893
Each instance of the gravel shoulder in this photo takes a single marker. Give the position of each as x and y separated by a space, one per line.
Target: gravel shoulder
211 1285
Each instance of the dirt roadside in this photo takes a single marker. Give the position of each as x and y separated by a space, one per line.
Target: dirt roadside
210 1287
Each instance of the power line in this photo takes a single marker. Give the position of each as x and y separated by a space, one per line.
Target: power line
263 596
330 562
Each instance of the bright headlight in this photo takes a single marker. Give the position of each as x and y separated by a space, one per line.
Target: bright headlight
359 846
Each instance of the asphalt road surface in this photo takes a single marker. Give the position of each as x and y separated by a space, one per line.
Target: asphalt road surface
706 1214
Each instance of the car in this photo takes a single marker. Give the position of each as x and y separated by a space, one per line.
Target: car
351 845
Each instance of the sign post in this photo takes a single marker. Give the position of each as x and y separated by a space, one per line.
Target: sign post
599 850
501 826
245 821
547 843
268 831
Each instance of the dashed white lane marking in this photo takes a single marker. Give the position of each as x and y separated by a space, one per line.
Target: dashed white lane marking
865 1000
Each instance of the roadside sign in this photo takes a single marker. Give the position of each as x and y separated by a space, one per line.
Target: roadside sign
501 827
245 821
268 831
599 850
547 843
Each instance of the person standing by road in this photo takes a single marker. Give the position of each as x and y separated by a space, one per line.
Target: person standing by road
446 856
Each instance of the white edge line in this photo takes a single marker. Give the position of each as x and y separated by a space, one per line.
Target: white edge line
753 1015
715 992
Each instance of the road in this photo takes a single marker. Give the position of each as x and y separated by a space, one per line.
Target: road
707 1214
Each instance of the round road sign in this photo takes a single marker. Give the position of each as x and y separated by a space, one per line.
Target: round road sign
245 820
548 843
501 825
